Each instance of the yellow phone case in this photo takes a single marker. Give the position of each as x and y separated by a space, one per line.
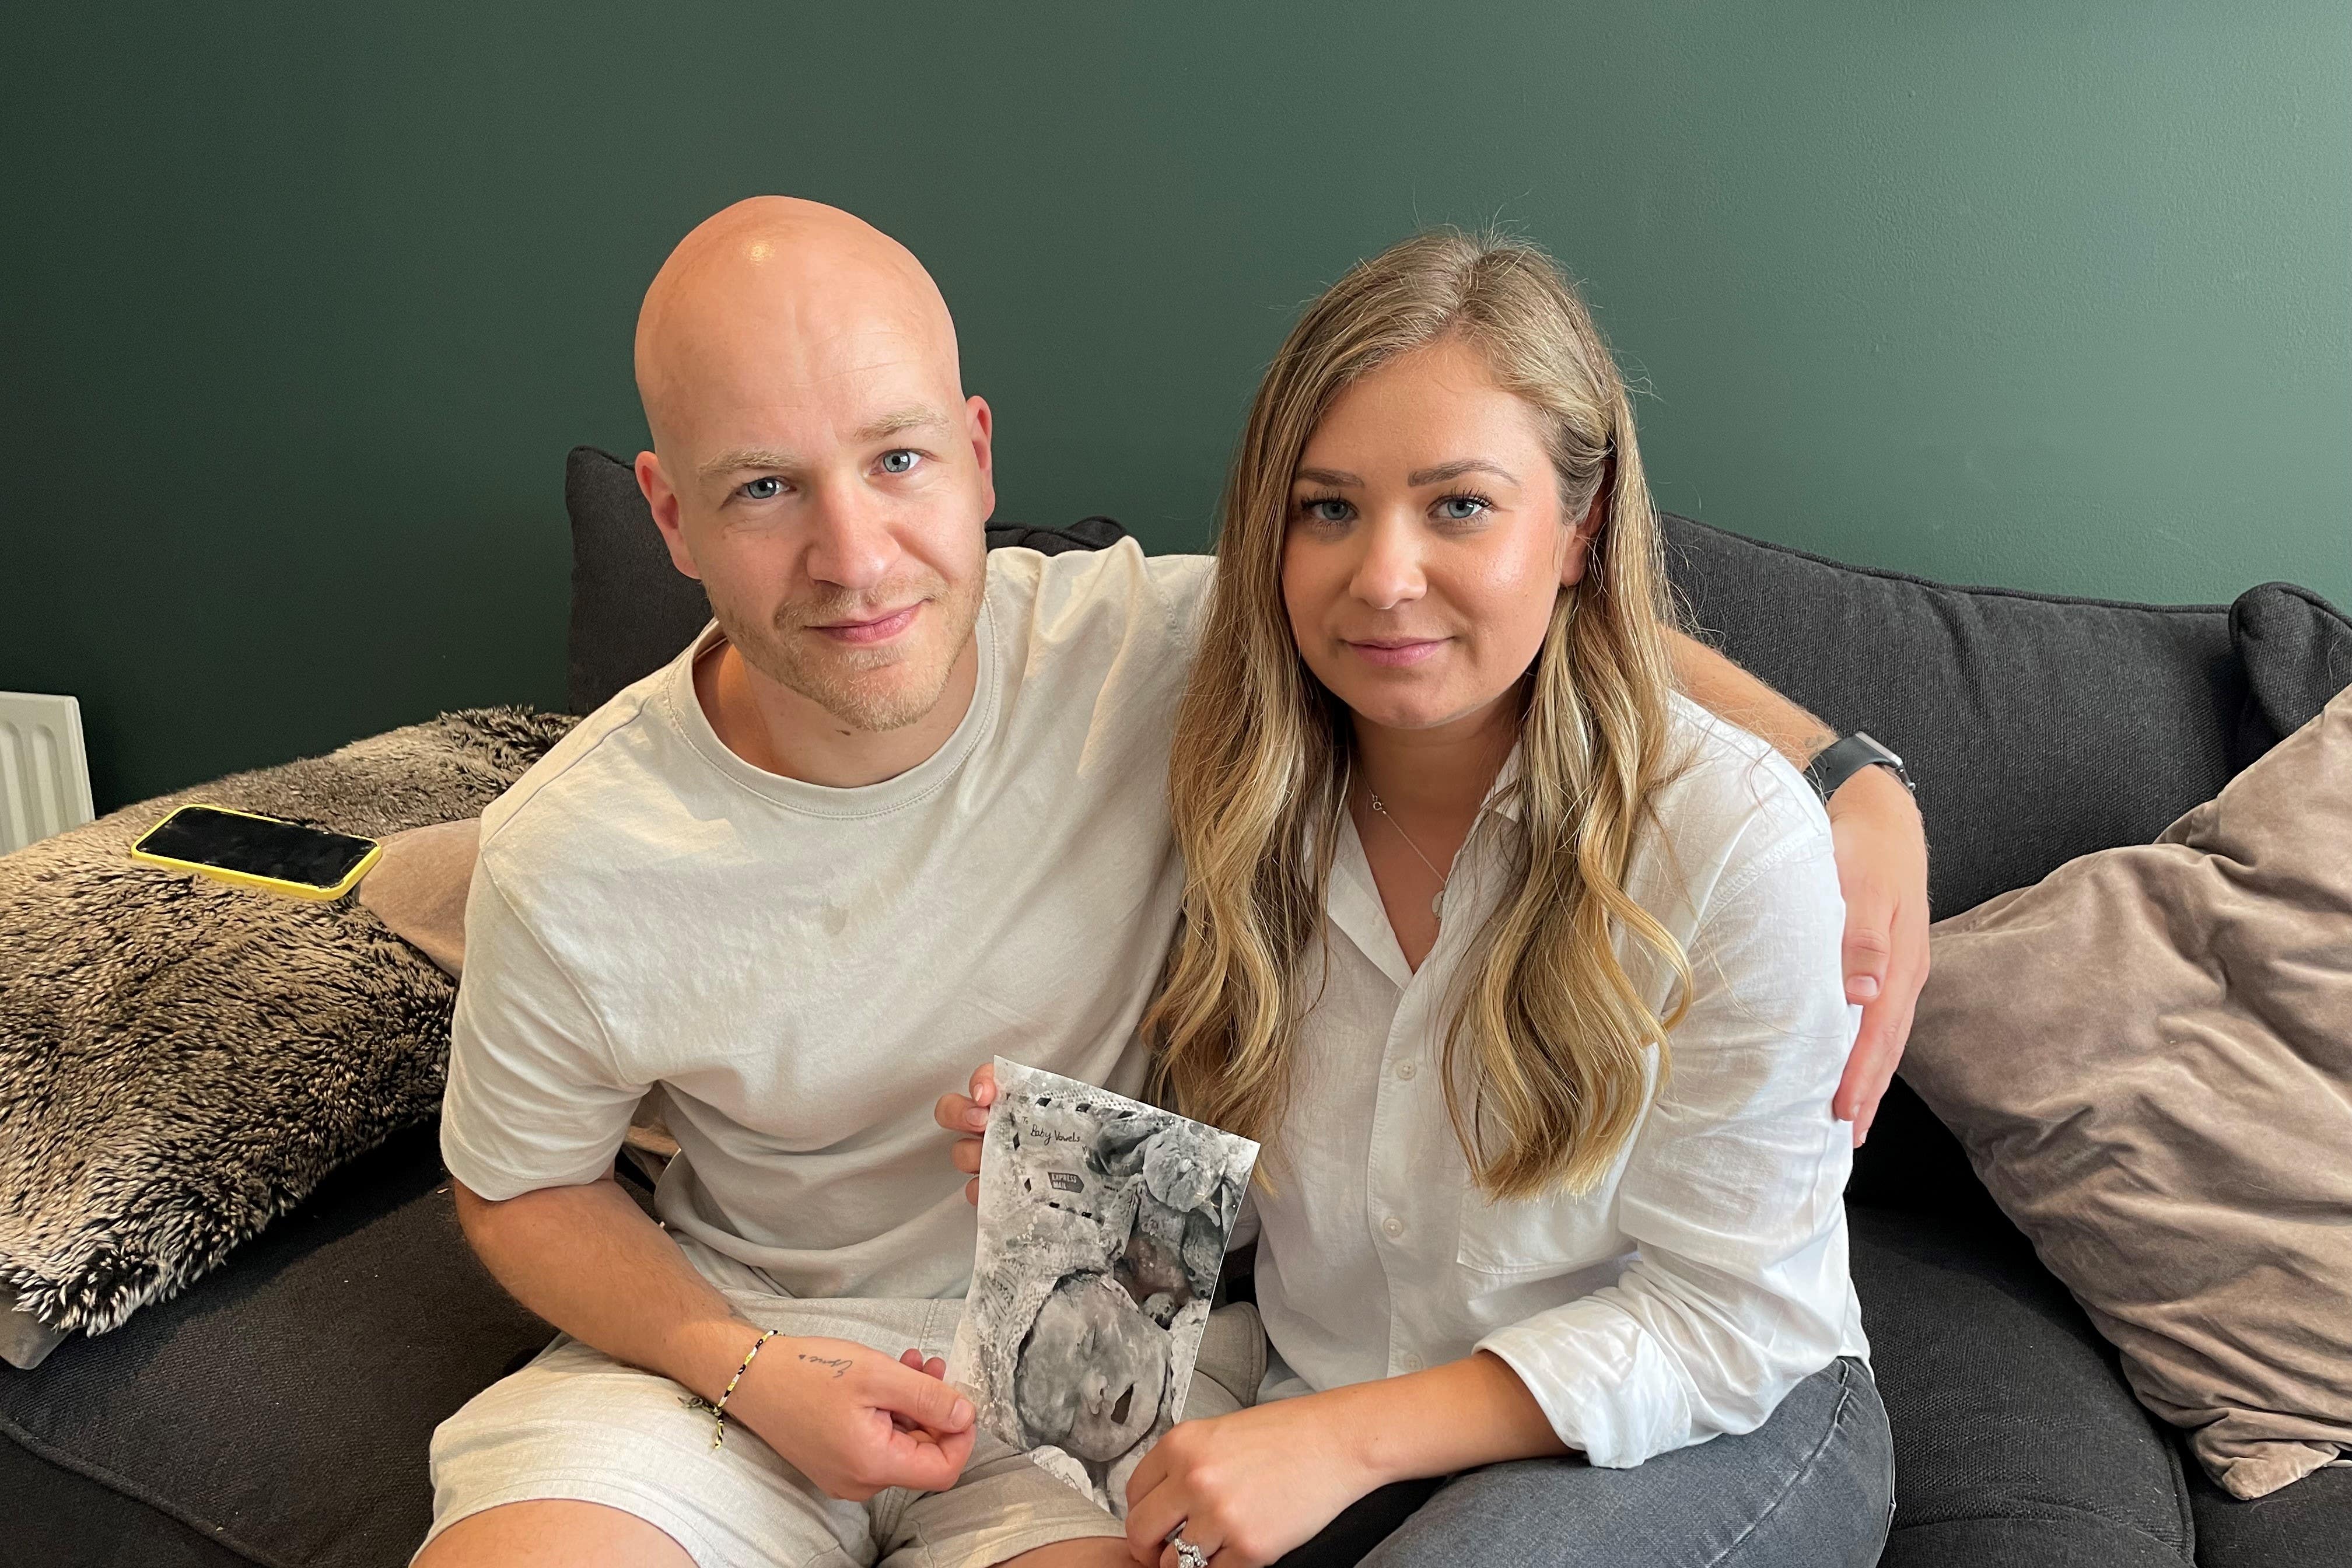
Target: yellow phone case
246 878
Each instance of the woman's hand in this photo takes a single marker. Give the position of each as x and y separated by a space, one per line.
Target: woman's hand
967 1117
1882 862
1244 1488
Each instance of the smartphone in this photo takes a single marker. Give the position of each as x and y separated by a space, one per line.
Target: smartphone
258 851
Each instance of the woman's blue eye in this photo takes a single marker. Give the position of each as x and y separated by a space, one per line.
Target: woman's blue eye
900 461
763 489
1329 509
1460 508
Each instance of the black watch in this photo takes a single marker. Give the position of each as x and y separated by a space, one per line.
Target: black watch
1848 757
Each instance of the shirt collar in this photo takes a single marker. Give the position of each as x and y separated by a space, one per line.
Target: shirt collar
1353 905
1354 899
1501 798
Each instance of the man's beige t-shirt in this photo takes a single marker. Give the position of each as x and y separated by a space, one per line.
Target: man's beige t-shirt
806 970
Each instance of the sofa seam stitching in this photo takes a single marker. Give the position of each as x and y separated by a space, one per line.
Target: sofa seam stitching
123 1487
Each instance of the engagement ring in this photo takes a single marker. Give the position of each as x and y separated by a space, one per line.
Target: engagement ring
1190 1555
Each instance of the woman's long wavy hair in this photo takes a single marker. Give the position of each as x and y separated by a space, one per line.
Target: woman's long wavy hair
1544 1057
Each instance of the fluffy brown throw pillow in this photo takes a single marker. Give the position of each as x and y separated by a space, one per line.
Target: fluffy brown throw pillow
181 1060
2148 1057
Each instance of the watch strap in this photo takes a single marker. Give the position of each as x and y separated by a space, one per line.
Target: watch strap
1842 760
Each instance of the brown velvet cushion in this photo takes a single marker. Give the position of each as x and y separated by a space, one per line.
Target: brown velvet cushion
417 889
2148 1057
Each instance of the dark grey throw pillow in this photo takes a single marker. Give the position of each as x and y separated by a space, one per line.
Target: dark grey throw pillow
632 610
181 1060
2297 650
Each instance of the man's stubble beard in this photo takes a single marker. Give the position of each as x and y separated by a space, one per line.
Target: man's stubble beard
839 678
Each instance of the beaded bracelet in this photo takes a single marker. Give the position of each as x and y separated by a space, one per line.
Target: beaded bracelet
720 1409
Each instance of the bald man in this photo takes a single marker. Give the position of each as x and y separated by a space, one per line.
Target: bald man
899 807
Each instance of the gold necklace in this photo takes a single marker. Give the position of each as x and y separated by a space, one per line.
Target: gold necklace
1437 904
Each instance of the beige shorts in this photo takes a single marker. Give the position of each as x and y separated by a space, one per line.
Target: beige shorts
575 1424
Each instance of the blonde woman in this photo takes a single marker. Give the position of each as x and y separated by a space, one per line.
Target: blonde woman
1524 968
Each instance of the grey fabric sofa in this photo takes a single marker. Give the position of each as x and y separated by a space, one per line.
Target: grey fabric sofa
277 1413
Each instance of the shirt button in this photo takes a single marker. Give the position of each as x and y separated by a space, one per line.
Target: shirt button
1406 1070
1409 1362
1394 1226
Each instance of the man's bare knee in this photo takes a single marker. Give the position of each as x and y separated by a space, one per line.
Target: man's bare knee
1099 1552
553 1534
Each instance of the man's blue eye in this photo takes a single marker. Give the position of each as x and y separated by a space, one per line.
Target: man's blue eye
900 461
765 489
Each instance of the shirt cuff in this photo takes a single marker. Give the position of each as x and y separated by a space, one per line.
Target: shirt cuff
1601 1381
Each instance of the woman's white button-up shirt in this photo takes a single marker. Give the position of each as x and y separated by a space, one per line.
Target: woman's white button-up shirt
1707 1275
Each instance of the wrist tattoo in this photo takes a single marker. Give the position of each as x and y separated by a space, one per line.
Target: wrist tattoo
840 1364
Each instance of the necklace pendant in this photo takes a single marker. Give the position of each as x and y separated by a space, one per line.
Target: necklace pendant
1437 904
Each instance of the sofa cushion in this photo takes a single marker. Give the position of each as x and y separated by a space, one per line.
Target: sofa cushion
282 1412
59 1517
2305 1526
2149 1055
633 610
2015 1443
301 1385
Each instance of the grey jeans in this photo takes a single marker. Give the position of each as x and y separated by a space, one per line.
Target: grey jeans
1811 1488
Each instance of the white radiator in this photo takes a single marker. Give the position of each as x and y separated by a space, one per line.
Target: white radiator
44 771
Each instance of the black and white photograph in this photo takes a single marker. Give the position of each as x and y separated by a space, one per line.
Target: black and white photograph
1103 1224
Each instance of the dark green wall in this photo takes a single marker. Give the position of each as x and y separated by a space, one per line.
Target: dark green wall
301 313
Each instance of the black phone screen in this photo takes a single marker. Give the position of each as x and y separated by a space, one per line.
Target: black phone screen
259 846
